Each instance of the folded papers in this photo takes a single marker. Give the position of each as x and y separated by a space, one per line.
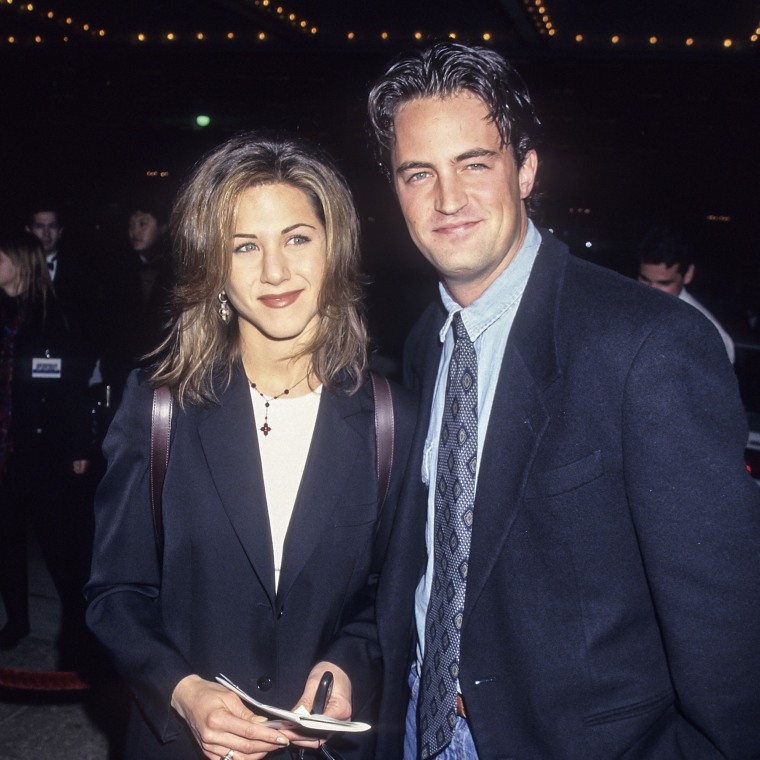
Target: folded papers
301 717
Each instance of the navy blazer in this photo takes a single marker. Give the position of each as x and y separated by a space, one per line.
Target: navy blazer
211 606
612 603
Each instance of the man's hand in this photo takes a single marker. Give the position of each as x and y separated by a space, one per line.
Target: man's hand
338 705
221 722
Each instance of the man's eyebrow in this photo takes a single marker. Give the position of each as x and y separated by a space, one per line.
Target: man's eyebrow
475 153
466 156
407 165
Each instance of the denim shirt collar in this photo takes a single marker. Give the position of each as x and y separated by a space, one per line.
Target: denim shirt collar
500 295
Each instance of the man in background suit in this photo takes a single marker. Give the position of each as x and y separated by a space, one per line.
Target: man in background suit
74 281
610 576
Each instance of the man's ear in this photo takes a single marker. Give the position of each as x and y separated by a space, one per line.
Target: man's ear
526 176
688 275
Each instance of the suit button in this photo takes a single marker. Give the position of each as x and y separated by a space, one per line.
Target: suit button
264 683
281 613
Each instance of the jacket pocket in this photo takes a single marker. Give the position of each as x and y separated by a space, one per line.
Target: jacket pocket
566 478
632 710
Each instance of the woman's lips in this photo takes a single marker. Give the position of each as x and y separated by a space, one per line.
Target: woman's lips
280 300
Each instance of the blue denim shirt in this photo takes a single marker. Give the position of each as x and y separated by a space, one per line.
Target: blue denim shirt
488 321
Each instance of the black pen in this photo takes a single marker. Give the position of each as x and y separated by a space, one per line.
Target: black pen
321 698
323 694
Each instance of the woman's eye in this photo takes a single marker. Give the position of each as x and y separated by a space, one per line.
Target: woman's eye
299 240
246 247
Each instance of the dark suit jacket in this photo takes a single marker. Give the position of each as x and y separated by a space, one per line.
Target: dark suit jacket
77 289
50 417
612 603
212 606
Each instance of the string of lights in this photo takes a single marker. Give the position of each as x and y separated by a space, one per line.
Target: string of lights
66 29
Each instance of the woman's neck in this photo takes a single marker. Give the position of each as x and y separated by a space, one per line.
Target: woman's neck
274 369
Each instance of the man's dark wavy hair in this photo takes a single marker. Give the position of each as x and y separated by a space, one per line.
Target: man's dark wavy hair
446 69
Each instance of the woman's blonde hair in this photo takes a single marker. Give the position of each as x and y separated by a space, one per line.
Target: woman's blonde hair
25 251
200 344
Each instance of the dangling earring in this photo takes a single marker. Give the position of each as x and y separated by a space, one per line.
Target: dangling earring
224 308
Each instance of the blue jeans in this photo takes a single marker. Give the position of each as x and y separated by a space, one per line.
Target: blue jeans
462 746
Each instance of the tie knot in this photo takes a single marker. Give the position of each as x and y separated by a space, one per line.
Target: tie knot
460 331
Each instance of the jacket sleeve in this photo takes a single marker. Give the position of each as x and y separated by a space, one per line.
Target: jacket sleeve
356 649
697 517
124 590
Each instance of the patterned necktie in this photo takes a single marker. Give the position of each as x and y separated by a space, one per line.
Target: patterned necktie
454 501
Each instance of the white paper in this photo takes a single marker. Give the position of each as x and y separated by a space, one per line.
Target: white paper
301 717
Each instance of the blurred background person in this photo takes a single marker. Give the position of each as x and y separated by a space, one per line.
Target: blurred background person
666 263
71 272
137 286
271 517
44 443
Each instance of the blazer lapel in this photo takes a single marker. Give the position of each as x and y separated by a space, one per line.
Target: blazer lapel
228 437
518 418
334 446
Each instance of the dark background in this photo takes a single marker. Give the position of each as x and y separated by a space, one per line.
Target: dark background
635 132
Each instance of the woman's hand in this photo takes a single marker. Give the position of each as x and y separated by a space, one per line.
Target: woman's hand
221 722
338 705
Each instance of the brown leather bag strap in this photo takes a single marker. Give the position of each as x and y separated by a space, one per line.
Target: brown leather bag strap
160 436
384 434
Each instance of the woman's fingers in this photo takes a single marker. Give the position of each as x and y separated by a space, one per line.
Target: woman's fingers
220 722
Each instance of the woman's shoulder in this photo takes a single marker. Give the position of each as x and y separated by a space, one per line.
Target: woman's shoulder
403 399
138 390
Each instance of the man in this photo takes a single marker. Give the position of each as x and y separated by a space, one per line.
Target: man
45 225
605 604
75 284
665 263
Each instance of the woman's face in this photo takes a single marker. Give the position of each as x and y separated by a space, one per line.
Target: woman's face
279 256
10 279
144 231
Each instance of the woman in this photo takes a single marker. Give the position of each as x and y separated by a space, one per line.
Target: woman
272 534
44 444
137 283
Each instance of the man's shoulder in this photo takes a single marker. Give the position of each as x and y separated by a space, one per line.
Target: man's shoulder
583 305
588 288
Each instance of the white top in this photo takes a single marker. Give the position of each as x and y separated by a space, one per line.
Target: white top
283 458
684 295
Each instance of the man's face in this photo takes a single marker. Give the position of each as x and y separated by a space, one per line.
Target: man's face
461 193
45 226
665 278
